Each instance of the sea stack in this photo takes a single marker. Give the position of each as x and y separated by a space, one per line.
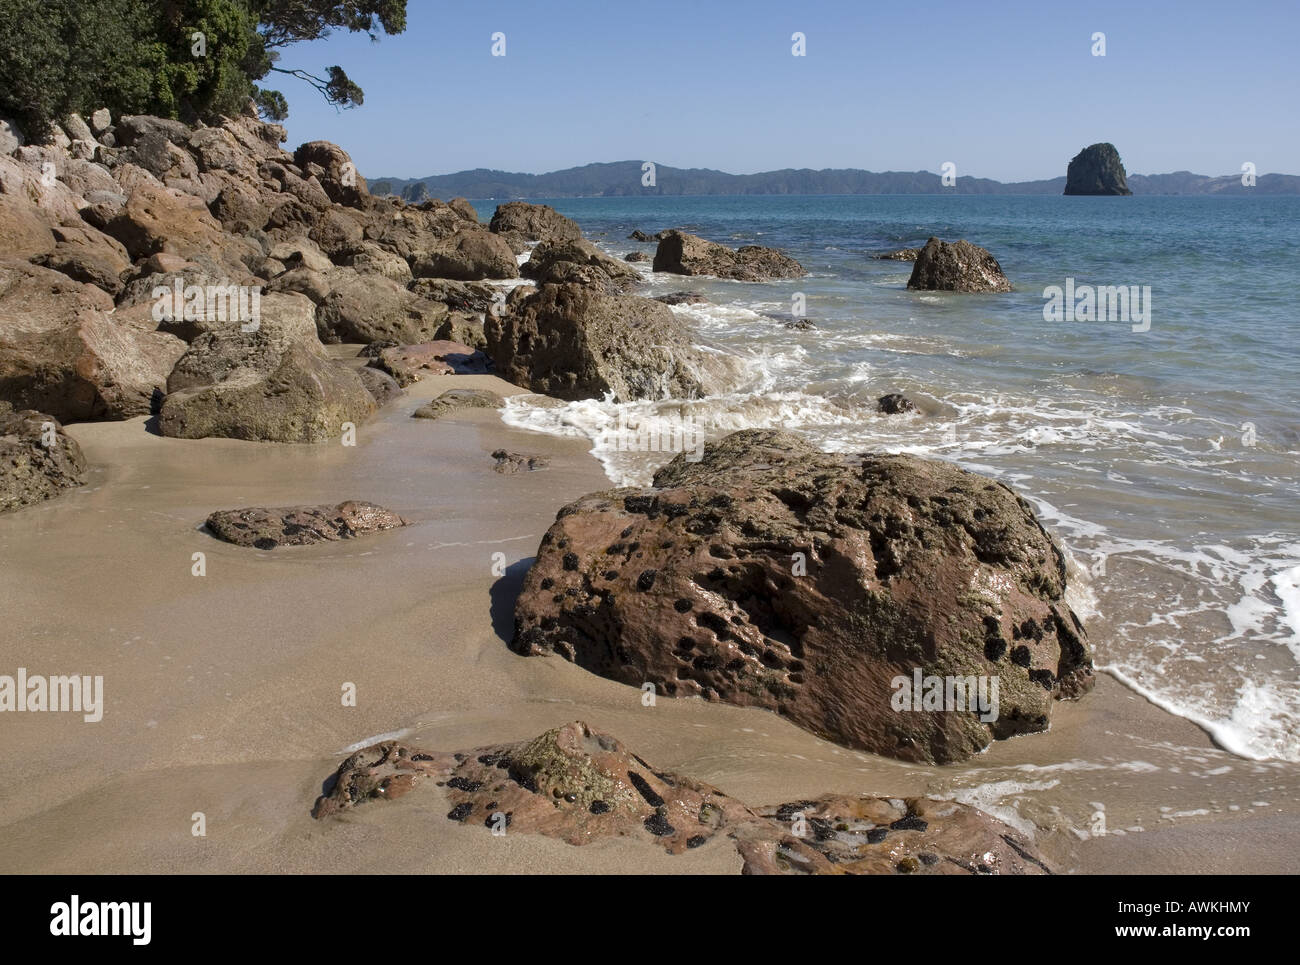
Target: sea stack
1097 169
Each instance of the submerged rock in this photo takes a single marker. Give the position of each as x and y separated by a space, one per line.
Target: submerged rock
512 462
454 399
957 266
266 529
769 574
38 460
685 254
579 785
894 404
682 298
1097 169
902 254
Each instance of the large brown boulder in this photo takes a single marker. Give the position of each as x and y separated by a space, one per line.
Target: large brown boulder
579 785
957 266
62 353
534 222
307 398
580 262
574 342
38 460
769 574
685 254
470 254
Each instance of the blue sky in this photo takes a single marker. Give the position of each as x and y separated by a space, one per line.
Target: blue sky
1007 90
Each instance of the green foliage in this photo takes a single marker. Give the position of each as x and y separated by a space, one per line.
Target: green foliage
174 58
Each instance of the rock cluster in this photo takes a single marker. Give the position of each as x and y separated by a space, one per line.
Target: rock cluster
130 242
580 785
685 254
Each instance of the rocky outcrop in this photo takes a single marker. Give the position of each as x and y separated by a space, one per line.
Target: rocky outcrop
574 342
957 266
455 399
684 254
305 398
265 529
769 574
579 785
38 460
533 222
1097 169
580 262
148 203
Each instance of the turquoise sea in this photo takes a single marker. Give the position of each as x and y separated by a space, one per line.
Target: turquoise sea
1167 461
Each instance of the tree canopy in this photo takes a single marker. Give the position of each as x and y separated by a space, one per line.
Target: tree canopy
176 58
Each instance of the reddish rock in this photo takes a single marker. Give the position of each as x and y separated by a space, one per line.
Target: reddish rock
409 363
769 574
579 785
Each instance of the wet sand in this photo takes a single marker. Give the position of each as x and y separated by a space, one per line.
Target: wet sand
223 691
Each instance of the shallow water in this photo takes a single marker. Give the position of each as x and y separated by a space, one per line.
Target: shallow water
1164 459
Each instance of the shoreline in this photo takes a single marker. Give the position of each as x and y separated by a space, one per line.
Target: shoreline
222 692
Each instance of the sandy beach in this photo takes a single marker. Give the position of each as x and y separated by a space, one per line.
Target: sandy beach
222 691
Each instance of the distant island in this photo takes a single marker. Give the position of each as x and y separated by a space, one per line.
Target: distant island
623 179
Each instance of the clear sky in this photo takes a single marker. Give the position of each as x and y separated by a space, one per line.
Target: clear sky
1003 89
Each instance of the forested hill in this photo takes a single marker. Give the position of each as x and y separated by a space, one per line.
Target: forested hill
623 178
